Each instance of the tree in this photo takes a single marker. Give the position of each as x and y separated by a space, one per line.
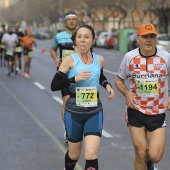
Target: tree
123 13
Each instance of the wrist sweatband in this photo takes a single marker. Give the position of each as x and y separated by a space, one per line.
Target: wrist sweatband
103 79
105 84
72 80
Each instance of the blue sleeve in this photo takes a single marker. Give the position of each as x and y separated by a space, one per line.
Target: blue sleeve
55 42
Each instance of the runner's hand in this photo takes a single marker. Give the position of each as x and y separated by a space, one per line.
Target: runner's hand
83 76
57 61
130 100
111 91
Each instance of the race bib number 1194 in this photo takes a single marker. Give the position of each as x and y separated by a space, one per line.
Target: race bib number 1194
147 87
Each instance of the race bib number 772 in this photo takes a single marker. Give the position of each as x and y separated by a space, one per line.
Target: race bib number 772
86 96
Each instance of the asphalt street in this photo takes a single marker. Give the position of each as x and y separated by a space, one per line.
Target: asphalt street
31 128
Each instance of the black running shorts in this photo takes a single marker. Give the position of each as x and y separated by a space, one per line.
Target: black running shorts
9 57
18 54
151 122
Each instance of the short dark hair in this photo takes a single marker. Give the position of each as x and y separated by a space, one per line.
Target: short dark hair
73 37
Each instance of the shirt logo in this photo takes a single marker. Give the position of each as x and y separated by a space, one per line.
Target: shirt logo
136 66
158 65
148 27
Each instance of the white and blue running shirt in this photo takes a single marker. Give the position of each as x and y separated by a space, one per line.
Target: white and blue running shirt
63 41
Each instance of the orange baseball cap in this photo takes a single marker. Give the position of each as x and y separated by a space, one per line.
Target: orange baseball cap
146 29
27 31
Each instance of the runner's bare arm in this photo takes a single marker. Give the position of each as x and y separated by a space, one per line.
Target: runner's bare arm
167 105
53 52
130 99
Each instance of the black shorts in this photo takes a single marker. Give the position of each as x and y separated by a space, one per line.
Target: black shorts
26 51
2 50
151 122
18 54
9 57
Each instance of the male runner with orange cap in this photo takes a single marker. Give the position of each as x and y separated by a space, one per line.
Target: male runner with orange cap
147 101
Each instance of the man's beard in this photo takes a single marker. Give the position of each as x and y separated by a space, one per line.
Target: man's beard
71 29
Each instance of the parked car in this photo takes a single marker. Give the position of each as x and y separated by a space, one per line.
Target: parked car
97 33
163 42
100 42
109 42
132 43
34 33
44 34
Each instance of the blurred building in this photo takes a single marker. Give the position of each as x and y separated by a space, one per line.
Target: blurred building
7 3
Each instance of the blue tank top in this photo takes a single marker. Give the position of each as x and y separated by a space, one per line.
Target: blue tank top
79 66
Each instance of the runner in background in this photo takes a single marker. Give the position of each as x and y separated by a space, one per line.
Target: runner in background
27 42
10 41
18 49
2 47
63 42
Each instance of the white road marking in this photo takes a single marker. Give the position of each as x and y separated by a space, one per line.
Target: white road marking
119 136
47 53
114 144
121 147
111 72
39 85
59 100
36 49
106 134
